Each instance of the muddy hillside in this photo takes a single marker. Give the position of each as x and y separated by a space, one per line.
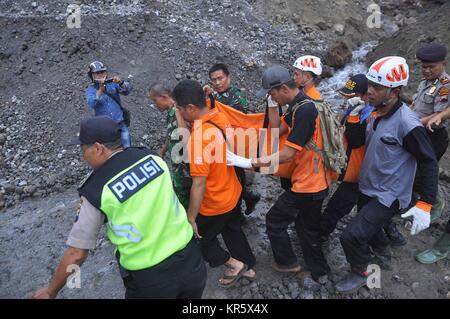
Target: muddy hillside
44 75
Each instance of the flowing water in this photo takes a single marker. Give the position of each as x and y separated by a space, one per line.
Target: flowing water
328 87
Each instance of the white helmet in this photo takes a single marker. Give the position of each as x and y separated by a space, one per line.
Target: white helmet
309 63
391 72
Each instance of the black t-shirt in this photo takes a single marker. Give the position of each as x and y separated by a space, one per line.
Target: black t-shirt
305 120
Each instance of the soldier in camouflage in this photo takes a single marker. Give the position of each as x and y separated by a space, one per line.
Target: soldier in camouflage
223 91
160 94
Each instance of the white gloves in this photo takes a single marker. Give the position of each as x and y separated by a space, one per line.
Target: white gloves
357 104
270 102
421 218
238 161
355 101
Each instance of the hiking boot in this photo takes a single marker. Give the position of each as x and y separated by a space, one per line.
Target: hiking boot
382 258
440 250
294 268
395 237
352 282
383 261
437 210
250 200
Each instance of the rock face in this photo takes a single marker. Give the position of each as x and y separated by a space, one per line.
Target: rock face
339 55
431 25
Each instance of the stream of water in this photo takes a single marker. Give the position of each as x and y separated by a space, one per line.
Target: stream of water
328 87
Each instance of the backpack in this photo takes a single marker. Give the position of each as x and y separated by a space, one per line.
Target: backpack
334 154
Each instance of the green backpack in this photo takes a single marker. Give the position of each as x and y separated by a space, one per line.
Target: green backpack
334 154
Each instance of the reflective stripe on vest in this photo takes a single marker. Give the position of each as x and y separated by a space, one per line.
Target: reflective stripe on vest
116 229
146 222
135 235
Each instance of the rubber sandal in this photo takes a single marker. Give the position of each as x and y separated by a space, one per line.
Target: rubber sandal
250 278
234 278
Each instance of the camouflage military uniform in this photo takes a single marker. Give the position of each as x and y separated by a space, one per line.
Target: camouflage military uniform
181 178
233 97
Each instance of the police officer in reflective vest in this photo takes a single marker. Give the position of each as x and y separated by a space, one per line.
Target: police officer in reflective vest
131 190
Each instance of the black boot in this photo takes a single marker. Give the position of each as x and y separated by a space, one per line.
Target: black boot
396 238
251 200
352 282
382 257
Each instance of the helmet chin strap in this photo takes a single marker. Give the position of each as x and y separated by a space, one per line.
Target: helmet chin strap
97 80
307 82
385 101
386 98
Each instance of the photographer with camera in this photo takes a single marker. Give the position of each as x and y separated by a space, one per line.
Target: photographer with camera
103 96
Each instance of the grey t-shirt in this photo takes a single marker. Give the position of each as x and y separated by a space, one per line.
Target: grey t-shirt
388 169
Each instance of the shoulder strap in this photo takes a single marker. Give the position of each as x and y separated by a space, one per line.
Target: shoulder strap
311 144
213 104
240 179
297 106
220 129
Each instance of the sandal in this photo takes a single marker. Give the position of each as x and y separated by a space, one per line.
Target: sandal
233 278
250 278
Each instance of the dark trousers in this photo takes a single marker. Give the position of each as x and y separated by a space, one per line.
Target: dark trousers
240 173
439 140
365 231
230 227
340 204
181 276
246 191
285 183
303 210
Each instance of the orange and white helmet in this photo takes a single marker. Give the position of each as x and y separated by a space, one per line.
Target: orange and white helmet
309 63
391 72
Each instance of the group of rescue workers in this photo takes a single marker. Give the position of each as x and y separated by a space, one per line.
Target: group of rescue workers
165 219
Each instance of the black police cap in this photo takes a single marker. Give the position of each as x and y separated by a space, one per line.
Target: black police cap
100 129
356 84
433 52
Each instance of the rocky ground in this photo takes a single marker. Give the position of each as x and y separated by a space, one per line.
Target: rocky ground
42 82
432 26
33 232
